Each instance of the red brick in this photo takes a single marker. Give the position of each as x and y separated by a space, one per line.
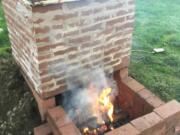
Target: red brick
125 61
60 123
138 107
134 85
47 86
43 65
44 57
46 79
157 129
43 104
126 80
146 122
117 55
140 124
107 59
154 101
92 28
121 41
60 52
42 30
115 36
69 129
107 31
145 93
152 118
150 124
115 21
42 130
110 51
39 21
58 90
123 73
147 108
170 112
42 40
168 109
127 129
58 116
65 16
43 48
44 9
80 39
70 21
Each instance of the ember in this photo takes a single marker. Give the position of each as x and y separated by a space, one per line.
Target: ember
111 116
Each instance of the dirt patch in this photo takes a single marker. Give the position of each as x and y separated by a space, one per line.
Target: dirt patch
18 111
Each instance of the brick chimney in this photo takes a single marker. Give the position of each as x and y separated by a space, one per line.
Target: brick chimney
47 37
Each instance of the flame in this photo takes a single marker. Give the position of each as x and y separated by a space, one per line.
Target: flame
85 130
105 102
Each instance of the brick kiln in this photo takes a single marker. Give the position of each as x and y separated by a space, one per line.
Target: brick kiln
66 46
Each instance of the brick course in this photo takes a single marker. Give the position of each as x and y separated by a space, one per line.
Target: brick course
47 38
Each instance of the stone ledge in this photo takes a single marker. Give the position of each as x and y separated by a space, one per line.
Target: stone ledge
43 129
127 129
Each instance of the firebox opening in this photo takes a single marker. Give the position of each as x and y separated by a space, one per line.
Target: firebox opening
98 105
87 123
92 103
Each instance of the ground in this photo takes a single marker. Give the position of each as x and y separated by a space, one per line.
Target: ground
18 110
157 25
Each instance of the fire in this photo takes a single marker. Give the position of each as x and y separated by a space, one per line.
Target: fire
105 102
102 109
85 130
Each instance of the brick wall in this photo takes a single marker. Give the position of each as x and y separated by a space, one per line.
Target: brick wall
20 26
48 39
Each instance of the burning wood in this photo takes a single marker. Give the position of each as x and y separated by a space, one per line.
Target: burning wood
105 103
118 120
107 116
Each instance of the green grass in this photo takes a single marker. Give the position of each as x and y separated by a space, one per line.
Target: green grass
4 39
157 25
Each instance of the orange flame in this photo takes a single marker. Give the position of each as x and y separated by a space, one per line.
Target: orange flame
104 100
85 130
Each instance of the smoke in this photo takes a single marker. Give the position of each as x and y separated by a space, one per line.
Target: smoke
84 84
84 87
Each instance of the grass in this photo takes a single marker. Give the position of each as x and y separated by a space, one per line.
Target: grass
4 39
157 25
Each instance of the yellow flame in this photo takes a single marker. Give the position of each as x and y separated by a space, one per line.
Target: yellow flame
85 130
104 100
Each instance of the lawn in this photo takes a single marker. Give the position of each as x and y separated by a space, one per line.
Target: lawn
4 40
157 25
